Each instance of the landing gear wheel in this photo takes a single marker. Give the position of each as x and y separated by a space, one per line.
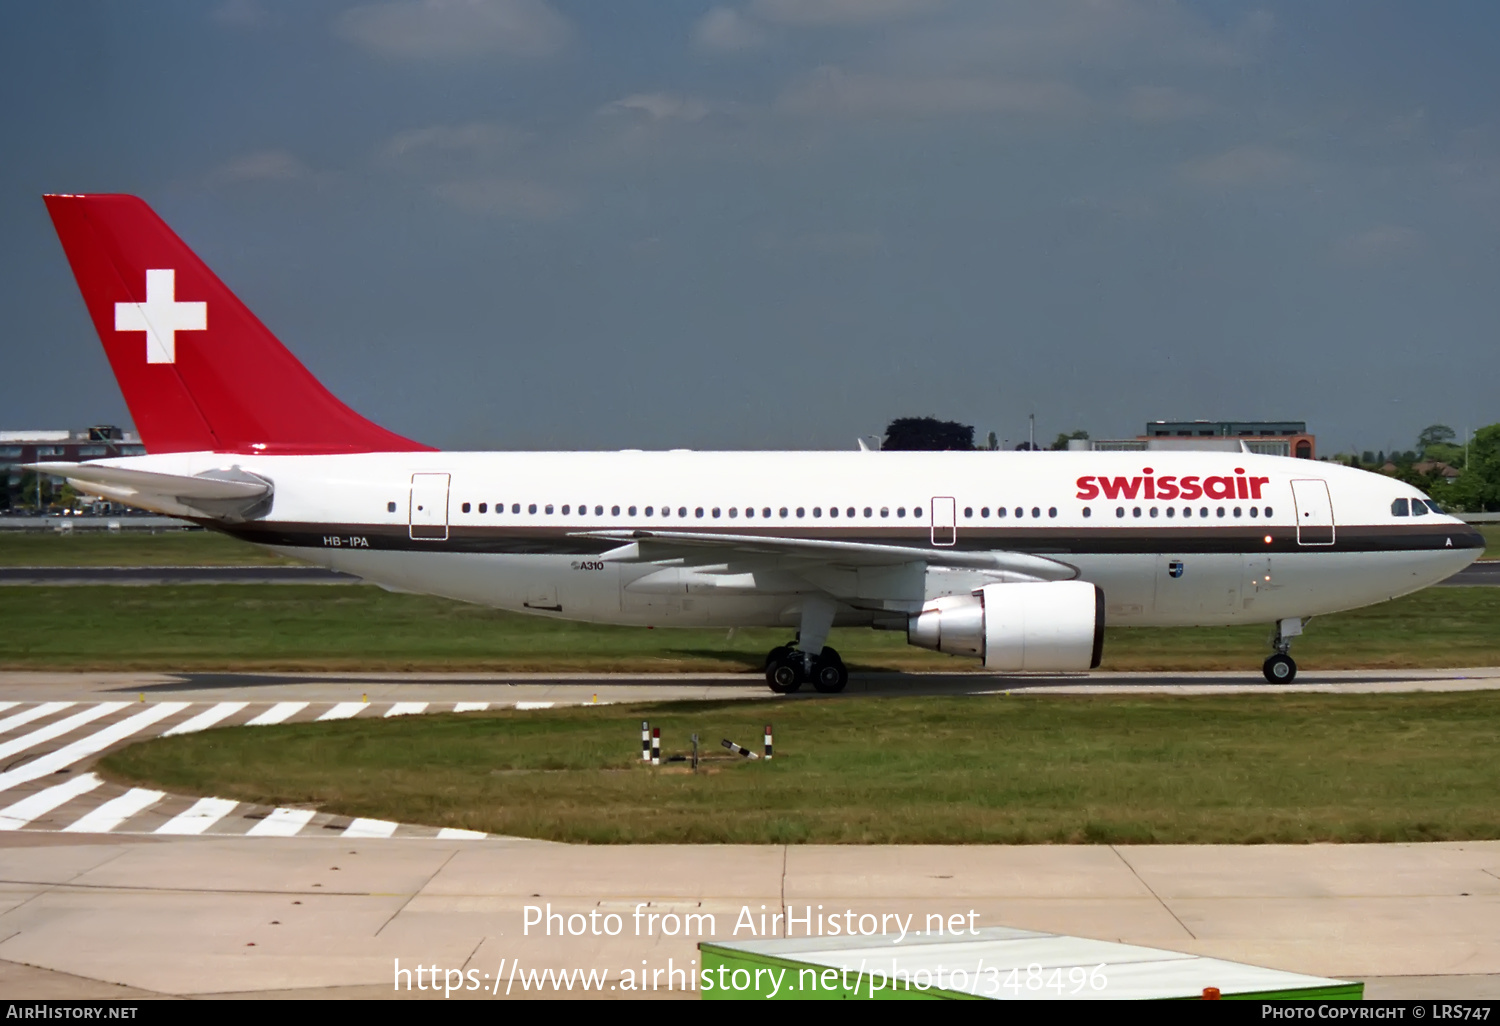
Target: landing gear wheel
784 674
829 675
1280 669
777 655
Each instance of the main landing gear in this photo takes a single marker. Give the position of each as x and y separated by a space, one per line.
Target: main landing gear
811 661
788 668
1280 668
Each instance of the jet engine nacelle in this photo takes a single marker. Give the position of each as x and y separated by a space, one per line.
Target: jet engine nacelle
1052 625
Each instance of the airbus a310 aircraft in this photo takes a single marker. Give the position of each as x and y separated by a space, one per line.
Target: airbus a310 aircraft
1014 558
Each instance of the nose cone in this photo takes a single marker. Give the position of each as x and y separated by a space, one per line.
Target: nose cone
1466 537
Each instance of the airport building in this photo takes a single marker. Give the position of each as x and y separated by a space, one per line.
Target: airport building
19 447
1266 437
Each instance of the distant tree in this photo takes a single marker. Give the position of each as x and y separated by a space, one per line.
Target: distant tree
1477 489
991 441
27 492
926 434
1434 434
1063 440
1368 458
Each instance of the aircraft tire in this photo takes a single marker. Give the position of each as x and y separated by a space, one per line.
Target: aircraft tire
1280 669
776 655
829 676
784 676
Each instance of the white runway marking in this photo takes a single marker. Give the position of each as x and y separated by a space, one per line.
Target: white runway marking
96 742
535 705
371 828
455 834
36 712
59 728
206 719
282 823
343 711
114 812
406 708
277 713
14 817
471 706
199 818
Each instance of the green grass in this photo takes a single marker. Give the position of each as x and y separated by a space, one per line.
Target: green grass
1491 534
981 769
301 627
131 548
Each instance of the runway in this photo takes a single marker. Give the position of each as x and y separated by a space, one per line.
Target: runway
107 891
1478 574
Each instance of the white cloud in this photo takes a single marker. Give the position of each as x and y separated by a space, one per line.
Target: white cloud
449 29
724 29
835 92
262 166
447 146
1244 165
828 243
507 197
1156 104
1380 244
841 12
659 107
242 14
1078 35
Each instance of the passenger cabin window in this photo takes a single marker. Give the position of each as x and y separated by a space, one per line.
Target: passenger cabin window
390 507
531 508
1398 508
484 507
466 507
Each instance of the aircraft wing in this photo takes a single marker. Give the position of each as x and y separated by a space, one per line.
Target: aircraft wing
232 494
691 547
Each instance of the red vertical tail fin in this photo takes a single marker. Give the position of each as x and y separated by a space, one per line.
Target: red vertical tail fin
198 369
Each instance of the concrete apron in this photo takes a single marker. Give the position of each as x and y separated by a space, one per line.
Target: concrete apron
99 916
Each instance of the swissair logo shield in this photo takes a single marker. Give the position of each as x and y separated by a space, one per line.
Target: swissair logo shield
161 317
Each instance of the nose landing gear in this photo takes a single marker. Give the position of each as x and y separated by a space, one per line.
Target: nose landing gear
1281 668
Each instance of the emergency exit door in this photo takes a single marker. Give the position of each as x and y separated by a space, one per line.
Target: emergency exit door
1314 512
944 520
429 507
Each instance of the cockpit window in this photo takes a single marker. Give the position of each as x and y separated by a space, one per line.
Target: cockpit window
1398 508
1436 508
1418 508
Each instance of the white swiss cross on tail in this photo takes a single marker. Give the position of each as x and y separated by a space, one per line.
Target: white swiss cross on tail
161 317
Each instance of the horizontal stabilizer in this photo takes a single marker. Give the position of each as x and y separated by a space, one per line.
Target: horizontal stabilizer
656 546
232 494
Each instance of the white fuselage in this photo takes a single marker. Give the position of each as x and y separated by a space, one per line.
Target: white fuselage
1172 538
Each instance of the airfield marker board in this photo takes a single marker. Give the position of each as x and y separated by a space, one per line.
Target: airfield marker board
994 963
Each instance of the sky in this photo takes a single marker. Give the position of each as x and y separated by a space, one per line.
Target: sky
549 224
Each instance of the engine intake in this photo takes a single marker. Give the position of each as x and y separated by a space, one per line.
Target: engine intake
1053 625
